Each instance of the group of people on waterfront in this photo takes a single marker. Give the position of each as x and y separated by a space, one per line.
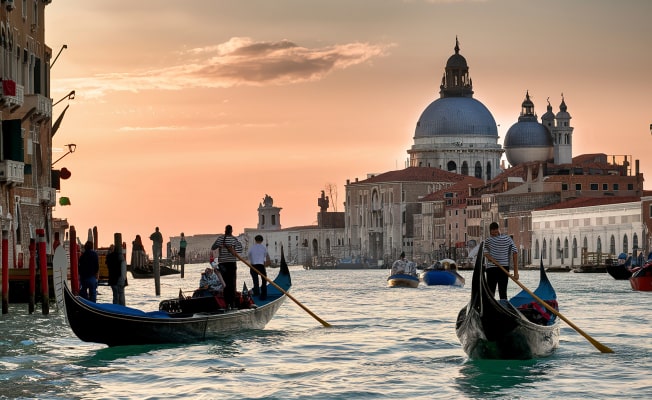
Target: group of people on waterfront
89 270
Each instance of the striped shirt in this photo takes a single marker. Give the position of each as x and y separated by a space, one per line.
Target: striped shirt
224 255
501 248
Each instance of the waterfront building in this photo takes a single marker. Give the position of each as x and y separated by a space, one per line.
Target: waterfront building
566 232
28 183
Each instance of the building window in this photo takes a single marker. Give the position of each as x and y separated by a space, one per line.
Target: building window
564 186
616 186
578 186
630 186
594 186
625 244
605 186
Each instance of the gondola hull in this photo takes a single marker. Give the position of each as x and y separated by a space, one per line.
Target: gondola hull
403 280
441 277
141 273
491 329
641 279
116 325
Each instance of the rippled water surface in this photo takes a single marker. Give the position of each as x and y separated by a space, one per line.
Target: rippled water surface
393 343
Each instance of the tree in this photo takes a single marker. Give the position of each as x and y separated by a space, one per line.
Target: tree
331 190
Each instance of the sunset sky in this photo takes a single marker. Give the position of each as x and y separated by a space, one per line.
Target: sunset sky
188 112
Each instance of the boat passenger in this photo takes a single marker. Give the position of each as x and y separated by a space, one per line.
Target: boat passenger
211 282
399 265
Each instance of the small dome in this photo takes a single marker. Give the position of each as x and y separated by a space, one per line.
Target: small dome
527 141
450 116
457 61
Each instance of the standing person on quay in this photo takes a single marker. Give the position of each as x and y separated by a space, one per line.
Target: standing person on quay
116 280
182 251
500 247
157 244
259 258
89 269
226 257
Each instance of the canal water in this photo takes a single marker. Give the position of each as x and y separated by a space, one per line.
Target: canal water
384 343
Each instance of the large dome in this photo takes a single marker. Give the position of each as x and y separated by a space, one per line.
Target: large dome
451 116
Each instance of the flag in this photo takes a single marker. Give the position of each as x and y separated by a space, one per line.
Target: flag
57 123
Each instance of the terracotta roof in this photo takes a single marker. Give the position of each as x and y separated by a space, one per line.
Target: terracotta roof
589 202
460 189
414 174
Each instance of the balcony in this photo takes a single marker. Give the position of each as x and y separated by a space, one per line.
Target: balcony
47 196
14 99
12 172
41 105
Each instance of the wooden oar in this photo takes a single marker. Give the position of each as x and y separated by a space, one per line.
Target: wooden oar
594 342
326 324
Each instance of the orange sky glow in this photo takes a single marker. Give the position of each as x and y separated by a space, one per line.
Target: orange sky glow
187 113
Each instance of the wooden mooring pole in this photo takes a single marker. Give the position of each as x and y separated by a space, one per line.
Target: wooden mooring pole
5 271
32 275
43 264
74 261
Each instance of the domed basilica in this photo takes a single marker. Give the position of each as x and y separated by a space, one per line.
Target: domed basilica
457 133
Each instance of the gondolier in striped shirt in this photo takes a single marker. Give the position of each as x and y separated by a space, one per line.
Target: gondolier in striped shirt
500 247
228 245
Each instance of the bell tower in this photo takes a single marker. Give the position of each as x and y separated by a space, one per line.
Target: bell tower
269 217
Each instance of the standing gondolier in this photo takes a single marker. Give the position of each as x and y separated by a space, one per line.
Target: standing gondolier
228 246
500 247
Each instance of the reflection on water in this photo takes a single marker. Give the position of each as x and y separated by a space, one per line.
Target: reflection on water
499 378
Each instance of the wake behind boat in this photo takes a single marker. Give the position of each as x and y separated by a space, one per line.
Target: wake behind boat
178 320
518 329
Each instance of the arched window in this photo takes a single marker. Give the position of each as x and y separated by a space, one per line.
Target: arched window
451 166
574 247
598 247
625 245
315 248
478 170
536 249
612 245
488 171
566 248
543 250
558 249
586 244
635 242
465 168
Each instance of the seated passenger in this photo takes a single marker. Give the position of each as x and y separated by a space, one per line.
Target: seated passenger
399 265
212 281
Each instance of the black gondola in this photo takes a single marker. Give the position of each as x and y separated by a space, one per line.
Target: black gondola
622 269
518 329
179 320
